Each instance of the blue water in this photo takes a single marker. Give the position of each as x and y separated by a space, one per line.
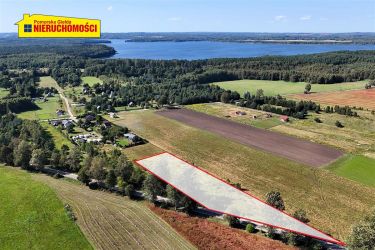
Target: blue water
205 49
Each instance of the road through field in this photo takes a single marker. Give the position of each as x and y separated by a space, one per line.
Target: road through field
115 222
299 150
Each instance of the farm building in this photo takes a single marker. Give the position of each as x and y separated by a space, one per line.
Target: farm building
112 115
67 123
60 112
131 137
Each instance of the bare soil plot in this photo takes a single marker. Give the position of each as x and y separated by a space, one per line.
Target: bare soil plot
302 151
115 222
210 235
360 98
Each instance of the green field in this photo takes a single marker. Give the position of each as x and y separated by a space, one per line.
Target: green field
123 142
48 82
47 110
271 88
57 136
32 217
357 168
3 92
91 80
331 202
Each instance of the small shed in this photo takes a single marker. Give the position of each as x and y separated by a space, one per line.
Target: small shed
131 137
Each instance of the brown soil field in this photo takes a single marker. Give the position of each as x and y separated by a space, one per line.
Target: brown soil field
299 150
211 235
359 98
110 221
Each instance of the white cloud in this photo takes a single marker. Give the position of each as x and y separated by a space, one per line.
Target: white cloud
174 19
279 18
109 8
305 18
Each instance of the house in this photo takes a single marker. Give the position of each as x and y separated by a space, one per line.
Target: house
112 115
284 118
107 124
67 124
55 122
131 137
89 117
60 112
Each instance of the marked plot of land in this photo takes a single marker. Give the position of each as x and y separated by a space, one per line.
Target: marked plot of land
217 195
295 149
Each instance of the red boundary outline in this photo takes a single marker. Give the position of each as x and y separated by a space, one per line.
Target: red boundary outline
335 241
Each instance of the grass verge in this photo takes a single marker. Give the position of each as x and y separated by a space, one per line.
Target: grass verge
32 217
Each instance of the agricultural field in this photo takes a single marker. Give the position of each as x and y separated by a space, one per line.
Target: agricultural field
356 137
212 235
141 151
303 151
332 202
57 136
272 88
357 168
364 98
3 92
110 221
228 111
32 216
91 80
48 82
47 110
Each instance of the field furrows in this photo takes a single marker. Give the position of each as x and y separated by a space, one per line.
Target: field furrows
115 222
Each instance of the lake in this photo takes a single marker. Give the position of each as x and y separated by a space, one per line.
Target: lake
207 49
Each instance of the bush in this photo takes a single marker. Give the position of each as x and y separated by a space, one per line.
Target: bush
232 221
58 176
129 191
250 228
339 124
317 119
93 185
69 212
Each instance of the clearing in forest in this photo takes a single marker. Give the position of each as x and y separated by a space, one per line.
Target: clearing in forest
272 88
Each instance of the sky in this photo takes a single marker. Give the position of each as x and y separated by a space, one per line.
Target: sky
204 15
